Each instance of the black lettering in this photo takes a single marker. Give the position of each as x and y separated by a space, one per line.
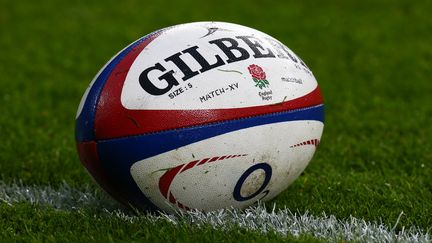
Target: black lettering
233 86
221 91
282 50
205 66
255 45
187 72
148 86
229 50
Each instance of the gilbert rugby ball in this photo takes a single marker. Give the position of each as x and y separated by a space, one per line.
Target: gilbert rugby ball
203 116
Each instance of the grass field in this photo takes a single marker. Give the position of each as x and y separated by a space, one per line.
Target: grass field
372 59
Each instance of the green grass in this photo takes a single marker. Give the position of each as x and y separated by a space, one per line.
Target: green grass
372 59
26 223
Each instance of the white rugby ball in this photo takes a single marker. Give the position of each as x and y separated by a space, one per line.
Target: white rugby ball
204 115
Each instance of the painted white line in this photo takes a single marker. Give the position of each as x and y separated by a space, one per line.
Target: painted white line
60 197
255 218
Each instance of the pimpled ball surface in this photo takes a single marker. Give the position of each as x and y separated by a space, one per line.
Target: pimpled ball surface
203 115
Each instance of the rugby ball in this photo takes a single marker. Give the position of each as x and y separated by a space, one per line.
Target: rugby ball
204 115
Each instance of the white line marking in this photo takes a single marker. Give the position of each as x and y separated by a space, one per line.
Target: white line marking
61 197
255 218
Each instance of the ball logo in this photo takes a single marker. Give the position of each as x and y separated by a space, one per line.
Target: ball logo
267 173
168 177
230 47
258 76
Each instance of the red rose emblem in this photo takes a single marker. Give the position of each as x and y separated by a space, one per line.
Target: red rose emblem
257 72
258 76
